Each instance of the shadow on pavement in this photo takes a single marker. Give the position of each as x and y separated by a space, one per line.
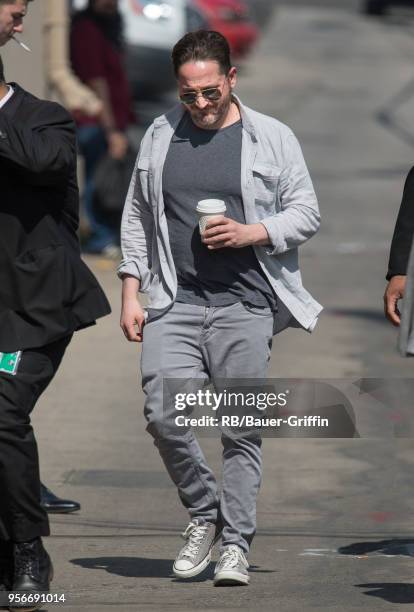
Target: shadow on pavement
394 592
130 567
397 546
208 574
140 567
369 314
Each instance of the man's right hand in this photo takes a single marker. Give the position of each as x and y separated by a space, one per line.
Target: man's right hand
393 293
132 313
132 320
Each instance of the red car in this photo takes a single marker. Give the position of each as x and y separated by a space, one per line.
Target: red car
230 18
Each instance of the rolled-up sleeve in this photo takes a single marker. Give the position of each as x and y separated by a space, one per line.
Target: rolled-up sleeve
299 218
137 228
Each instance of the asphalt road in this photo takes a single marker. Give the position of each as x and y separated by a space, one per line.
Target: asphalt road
335 516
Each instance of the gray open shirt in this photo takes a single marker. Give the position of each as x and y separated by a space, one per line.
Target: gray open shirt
277 192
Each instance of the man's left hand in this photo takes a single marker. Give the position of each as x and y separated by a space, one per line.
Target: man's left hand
223 232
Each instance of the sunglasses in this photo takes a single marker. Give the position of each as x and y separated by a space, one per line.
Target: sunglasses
211 93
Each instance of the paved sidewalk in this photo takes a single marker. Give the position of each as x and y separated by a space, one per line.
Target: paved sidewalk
334 516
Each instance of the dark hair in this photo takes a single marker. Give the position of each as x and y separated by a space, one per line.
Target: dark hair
202 45
2 77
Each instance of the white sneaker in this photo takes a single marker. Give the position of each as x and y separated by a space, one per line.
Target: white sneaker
195 555
231 569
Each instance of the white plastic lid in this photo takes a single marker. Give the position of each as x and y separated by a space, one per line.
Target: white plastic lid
211 207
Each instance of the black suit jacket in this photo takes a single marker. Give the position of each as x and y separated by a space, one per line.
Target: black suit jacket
403 232
46 291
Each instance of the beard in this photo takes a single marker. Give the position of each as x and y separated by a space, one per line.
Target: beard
211 118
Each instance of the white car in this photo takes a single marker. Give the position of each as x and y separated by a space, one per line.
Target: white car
152 27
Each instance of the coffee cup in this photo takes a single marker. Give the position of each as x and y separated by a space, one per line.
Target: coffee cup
208 209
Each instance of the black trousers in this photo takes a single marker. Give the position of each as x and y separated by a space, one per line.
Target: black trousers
21 516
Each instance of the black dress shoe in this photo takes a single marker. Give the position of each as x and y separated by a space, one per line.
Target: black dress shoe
33 572
54 505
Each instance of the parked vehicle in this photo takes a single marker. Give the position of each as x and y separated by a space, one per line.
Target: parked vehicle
261 11
151 28
379 7
196 18
231 18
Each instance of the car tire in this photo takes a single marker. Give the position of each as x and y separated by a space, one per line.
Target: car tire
375 7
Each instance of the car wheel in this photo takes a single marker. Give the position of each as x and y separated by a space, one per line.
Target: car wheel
375 7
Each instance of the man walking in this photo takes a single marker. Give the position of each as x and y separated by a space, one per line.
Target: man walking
46 294
215 300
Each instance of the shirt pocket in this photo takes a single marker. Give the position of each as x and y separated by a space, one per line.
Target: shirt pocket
143 166
266 186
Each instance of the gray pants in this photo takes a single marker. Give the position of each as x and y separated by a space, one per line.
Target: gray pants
198 342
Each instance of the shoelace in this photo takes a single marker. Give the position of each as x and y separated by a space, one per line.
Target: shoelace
230 558
195 534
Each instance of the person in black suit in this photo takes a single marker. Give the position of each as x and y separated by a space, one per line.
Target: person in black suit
12 14
400 253
46 294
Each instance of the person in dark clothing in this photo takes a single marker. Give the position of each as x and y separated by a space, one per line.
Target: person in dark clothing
46 294
97 59
12 14
400 253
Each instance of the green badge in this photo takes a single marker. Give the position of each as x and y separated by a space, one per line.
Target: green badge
9 362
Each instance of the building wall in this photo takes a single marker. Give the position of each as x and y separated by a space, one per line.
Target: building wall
25 68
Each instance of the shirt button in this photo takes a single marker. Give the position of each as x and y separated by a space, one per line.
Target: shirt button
3 135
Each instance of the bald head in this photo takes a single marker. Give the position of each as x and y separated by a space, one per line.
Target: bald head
12 13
